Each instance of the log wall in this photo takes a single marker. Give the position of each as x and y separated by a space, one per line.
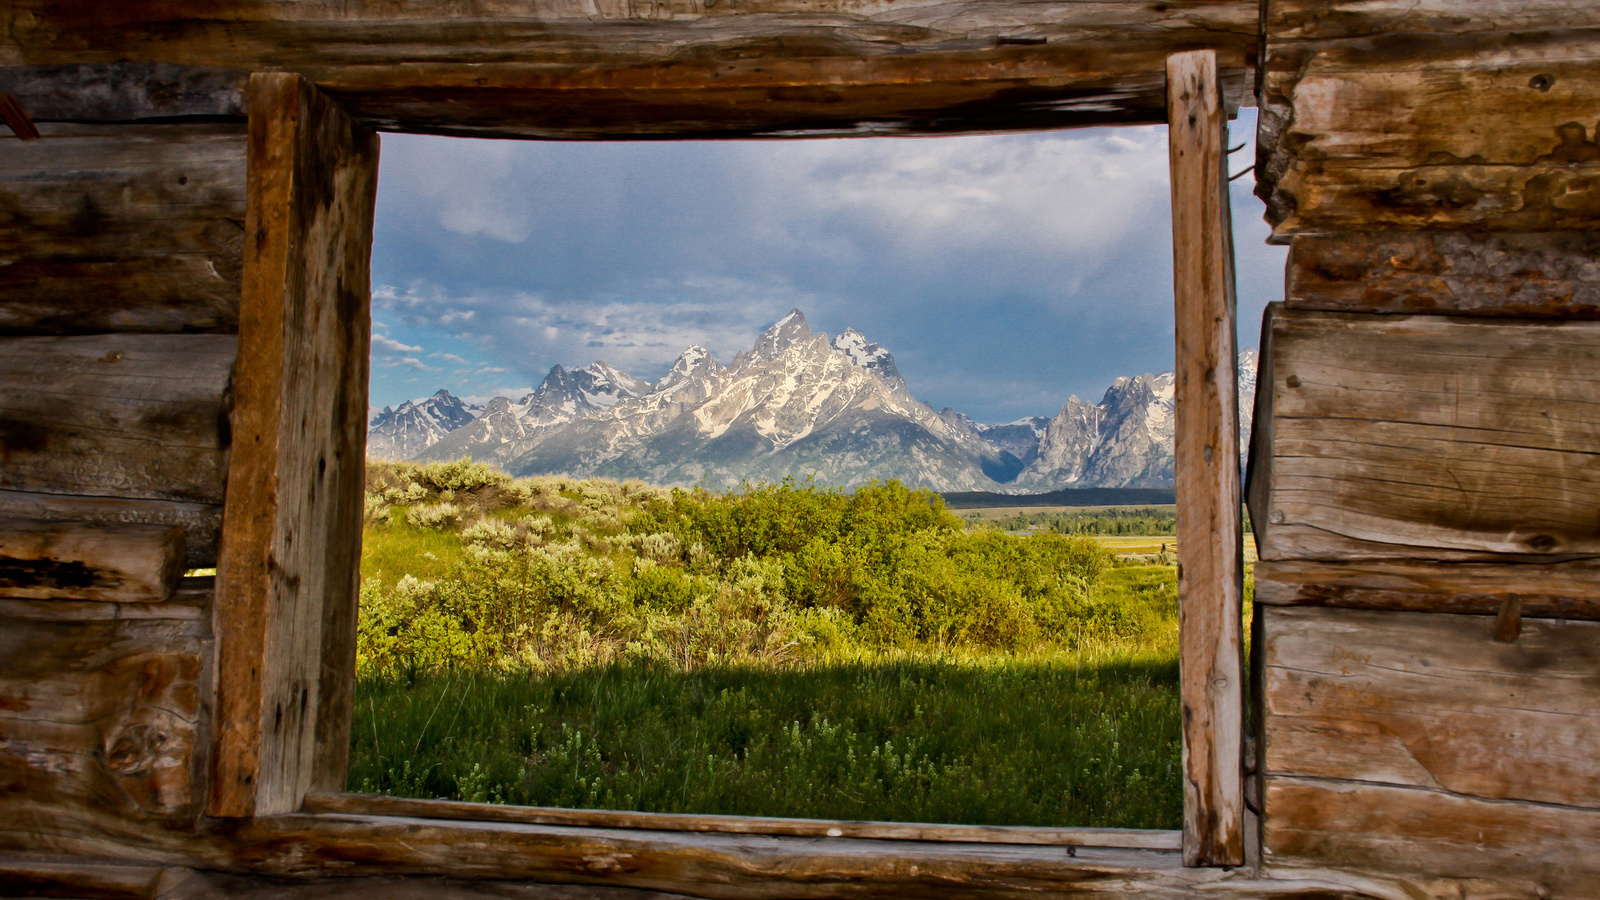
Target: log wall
1423 477
1424 474
121 246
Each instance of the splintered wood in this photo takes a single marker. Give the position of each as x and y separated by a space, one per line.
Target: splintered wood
89 561
1210 567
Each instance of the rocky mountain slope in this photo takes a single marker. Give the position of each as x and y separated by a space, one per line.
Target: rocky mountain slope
795 404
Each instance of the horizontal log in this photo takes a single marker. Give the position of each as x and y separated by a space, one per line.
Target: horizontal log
175 883
23 877
1431 701
554 68
370 804
130 416
200 522
1339 197
124 92
1488 848
707 865
1425 437
122 228
1569 590
101 721
82 561
190 602
1290 21
1410 108
1541 275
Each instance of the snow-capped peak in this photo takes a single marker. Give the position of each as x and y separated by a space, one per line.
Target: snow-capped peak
867 354
783 333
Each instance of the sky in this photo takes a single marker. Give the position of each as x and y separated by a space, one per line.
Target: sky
1004 272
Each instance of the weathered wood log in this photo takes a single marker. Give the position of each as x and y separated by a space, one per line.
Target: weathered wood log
214 885
86 561
1568 590
130 416
1434 701
101 727
1489 848
200 522
123 92
23 877
1426 437
709 865
371 804
122 228
1210 566
288 576
1545 275
1372 117
554 68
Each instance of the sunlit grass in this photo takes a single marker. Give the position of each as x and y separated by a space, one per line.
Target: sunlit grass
1087 739
780 651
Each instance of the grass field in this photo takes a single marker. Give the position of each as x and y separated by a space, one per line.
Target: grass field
783 651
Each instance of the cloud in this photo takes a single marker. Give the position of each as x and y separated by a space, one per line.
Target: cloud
383 346
410 362
1005 272
449 357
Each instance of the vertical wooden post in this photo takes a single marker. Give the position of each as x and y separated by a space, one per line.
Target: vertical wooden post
1207 434
290 549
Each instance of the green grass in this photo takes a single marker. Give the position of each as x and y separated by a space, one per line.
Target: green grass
1068 740
779 650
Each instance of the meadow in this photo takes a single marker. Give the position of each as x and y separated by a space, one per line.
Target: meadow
776 649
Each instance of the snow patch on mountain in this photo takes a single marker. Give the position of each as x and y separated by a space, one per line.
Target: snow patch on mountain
796 404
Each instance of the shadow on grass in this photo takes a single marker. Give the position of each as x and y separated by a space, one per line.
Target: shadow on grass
985 740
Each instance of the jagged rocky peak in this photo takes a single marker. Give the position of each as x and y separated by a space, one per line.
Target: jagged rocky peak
867 355
691 363
595 385
784 333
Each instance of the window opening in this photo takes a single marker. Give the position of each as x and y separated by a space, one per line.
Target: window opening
583 638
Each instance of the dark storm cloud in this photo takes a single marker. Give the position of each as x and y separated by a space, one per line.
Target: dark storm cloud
1004 272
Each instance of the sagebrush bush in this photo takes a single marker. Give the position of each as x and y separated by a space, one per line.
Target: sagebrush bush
553 573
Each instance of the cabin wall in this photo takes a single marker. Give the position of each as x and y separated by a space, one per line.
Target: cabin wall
119 315
1423 478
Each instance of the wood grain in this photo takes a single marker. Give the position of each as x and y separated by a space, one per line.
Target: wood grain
1374 117
129 416
287 576
86 561
200 521
1426 437
126 92
1433 701
24 877
1540 275
371 804
1210 565
1567 590
1488 848
122 228
101 718
562 69
709 865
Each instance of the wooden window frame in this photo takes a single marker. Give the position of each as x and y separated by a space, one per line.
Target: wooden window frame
286 612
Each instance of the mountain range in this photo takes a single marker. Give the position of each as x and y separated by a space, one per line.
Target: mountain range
796 404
